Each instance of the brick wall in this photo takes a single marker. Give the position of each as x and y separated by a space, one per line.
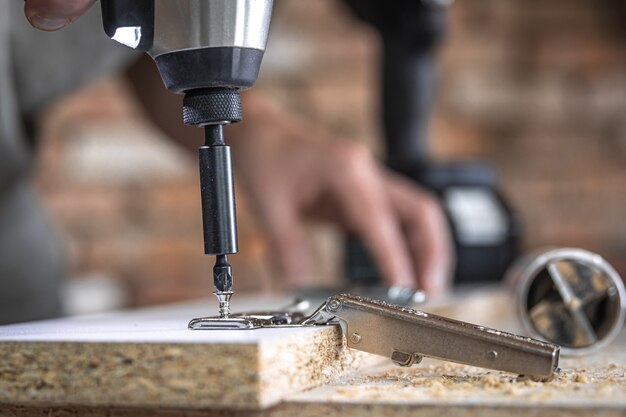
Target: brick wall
538 88
541 89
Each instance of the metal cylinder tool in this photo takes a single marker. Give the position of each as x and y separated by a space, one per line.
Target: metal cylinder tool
218 194
571 297
212 108
207 50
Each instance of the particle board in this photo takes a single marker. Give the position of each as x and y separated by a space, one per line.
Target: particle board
588 386
593 385
150 359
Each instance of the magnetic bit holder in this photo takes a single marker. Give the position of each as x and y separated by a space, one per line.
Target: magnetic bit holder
406 335
568 296
212 108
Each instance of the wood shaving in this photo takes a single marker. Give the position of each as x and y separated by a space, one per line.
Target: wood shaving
457 383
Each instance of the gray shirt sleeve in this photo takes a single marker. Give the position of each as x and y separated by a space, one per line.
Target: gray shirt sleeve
36 68
14 154
50 64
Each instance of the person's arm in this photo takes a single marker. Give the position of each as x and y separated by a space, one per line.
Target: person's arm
293 170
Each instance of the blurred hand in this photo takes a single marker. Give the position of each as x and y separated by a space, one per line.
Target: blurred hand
55 14
293 171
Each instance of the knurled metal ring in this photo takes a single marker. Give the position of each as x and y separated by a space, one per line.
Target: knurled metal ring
212 105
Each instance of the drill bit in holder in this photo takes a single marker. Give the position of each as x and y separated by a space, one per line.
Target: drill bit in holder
212 108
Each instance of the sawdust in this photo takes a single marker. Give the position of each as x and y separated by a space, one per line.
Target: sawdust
454 382
581 378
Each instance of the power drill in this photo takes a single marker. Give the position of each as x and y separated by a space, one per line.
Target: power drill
207 50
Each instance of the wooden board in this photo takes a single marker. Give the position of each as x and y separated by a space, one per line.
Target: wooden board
150 359
593 385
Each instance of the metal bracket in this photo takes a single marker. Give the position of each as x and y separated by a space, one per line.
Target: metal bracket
249 321
406 335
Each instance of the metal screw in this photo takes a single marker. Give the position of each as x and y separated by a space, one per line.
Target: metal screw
492 355
355 338
334 305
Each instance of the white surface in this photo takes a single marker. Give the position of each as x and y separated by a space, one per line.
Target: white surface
155 325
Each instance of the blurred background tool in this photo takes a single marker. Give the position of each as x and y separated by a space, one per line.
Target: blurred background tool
394 294
571 297
485 228
207 51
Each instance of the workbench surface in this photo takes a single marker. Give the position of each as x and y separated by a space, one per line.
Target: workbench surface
590 386
72 368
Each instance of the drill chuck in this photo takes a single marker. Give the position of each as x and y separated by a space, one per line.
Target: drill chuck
212 106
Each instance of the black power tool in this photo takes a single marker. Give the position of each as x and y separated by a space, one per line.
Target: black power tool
485 229
207 50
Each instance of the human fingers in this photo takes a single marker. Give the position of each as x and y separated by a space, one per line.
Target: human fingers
359 190
52 15
427 232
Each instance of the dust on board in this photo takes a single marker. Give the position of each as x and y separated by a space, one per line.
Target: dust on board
453 383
